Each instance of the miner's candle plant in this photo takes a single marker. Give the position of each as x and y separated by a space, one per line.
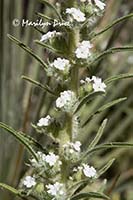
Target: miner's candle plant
63 169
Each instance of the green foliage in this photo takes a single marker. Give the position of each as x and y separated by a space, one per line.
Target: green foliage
66 122
90 195
29 50
26 141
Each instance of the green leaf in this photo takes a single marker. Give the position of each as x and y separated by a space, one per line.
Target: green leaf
117 77
106 167
104 107
86 99
89 194
111 51
99 134
109 146
110 104
21 138
15 191
44 16
112 24
46 87
46 46
9 188
53 7
33 142
28 50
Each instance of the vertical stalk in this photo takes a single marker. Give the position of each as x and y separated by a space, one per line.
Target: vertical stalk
74 40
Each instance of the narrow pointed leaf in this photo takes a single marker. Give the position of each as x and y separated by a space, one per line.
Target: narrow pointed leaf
87 99
109 146
20 138
44 16
110 104
99 134
28 50
104 107
46 87
106 167
10 189
113 24
33 142
48 47
53 7
111 51
118 77
14 191
89 194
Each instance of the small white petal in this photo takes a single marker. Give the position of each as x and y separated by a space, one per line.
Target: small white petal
100 4
66 100
51 159
44 121
98 85
83 50
61 64
29 181
77 145
56 189
49 35
76 14
89 171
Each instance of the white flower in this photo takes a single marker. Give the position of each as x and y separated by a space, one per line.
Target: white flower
66 100
71 151
44 121
76 14
49 35
98 85
77 145
83 50
61 64
29 181
73 146
89 171
52 159
87 79
56 189
100 4
45 162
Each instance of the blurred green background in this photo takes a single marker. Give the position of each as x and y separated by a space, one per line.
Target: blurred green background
21 103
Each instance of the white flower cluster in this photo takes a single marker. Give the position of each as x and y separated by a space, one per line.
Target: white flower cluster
49 35
61 64
56 190
97 83
87 80
87 170
76 14
71 151
46 161
73 146
98 3
29 182
66 101
83 50
44 121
